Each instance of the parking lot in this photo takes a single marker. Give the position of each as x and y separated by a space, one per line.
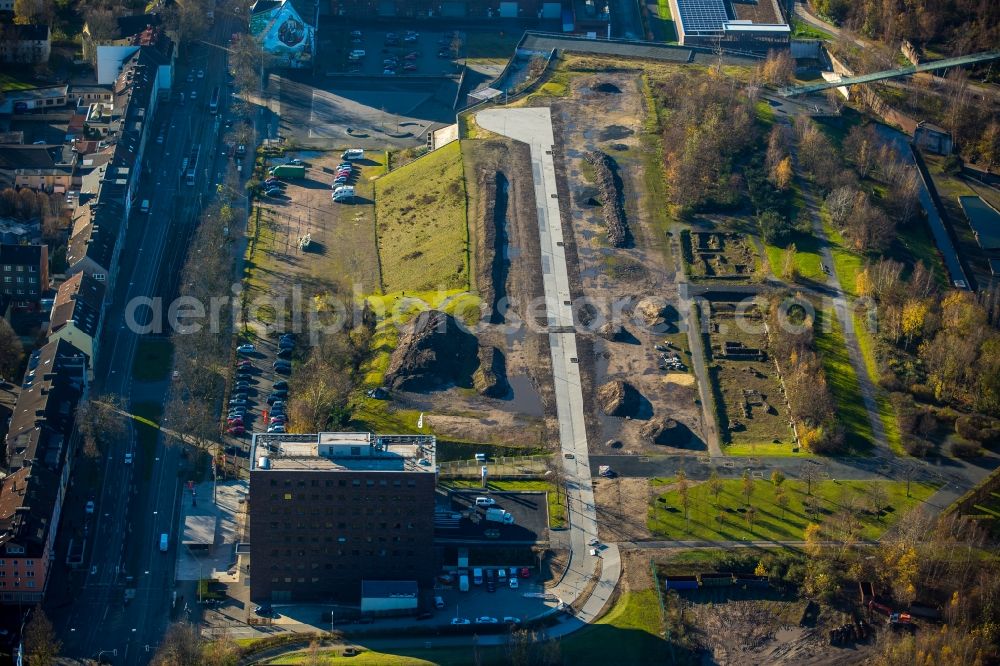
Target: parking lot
526 602
528 509
416 54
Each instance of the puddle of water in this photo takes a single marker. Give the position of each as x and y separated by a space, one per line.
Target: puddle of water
501 261
524 397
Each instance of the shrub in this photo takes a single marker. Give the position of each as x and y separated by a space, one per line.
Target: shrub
963 448
923 393
906 412
916 446
978 428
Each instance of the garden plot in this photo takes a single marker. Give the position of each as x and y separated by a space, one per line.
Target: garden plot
719 255
750 400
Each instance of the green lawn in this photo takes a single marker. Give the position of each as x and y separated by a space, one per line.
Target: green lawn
663 9
886 412
152 359
843 382
846 262
803 30
662 23
423 238
628 634
666 517
557 510
808 263
10 82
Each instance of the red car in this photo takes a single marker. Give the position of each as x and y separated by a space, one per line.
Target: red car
525 572
234 422
236 430
277 419
244 363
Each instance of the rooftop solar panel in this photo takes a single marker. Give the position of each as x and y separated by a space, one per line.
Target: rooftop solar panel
702 15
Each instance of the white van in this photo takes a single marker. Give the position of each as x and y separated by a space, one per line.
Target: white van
485 501
343 193
144 207
164 543
353 154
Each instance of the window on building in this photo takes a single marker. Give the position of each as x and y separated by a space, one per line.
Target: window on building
29 563
100 277
288 496
20 269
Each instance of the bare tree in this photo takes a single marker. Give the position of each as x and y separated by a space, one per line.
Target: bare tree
11 350
181 646
41 645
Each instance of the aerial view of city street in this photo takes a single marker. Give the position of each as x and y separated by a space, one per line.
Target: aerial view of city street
517 332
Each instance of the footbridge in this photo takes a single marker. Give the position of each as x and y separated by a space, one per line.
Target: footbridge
986 56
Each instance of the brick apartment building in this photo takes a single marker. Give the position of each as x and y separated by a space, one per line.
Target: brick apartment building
24 273
329 510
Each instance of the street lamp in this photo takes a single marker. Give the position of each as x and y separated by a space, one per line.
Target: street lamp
113 653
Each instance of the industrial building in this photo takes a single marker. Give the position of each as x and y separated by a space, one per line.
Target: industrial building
329 510
754 27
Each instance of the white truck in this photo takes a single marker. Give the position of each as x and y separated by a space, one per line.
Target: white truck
499 516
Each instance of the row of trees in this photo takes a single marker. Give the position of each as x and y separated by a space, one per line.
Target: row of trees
947 347
867 221
26 205
965 26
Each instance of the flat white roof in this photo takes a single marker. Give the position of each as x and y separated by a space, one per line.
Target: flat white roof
733 26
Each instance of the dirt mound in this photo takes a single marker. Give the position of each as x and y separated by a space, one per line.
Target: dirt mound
490 378
618 398
611 196
659 431
610 331
433 352
606 87
652 309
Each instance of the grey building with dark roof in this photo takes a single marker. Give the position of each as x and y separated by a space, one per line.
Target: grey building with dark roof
95 241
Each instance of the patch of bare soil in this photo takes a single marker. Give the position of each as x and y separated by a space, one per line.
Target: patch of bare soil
613 280
622 508
507 261
749 631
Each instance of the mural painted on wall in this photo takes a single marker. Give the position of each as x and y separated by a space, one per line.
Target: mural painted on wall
284 34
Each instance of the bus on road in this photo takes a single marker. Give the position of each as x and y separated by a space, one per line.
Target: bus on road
213 106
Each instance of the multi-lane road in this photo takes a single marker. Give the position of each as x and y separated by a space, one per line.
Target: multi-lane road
139 501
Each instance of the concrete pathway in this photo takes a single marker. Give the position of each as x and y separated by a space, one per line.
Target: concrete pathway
534 127
841 306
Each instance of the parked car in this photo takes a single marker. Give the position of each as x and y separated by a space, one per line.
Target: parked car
525 572
409 67
283 369
486 620
281 363
246 349
234 421
275 420
128 458
89 508
513 583
236 430
279 385
277 429
460 621
237 402
273 397
244 362
485 501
